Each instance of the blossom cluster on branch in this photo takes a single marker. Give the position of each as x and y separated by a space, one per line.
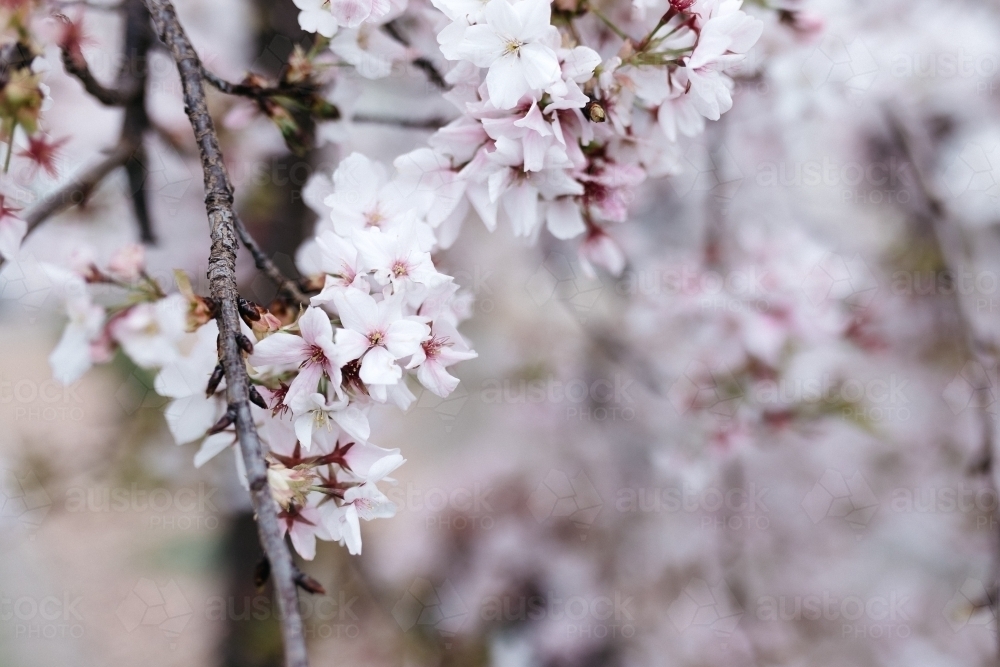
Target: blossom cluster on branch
561 116
552 132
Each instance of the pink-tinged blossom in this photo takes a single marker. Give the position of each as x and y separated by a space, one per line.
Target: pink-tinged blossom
320 418
378 334
338 258
443 349
368 463
303 525
315 16
601 250
364 197
517 43
396 258
128 262
191 413
370 50
360 502
150 332
74 354
312 353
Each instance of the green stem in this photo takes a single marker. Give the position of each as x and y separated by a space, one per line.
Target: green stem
10 147
604 19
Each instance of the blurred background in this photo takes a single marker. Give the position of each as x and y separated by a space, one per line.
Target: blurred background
769 442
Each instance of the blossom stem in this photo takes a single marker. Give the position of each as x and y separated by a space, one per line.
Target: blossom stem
222 278
10 146
608 22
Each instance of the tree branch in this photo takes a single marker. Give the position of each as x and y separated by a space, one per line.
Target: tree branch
222 278
409 123
112 97
243 89
78 188
422 63
269 268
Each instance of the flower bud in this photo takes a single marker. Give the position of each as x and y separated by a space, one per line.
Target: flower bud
595 112
128 262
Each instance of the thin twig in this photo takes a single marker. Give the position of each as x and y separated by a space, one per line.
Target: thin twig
133 76
222 278
247 90
409 123
269 268
112 97
424 64
77 189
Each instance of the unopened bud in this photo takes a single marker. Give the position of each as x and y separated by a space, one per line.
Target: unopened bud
595 112
213 382
257 399
244 343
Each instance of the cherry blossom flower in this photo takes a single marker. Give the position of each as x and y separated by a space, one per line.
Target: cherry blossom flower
320 418
312 353
360 502
516 42
74 354
434 357
378 334
315 16
364 197
149 332
303 525
396 258
337 258
192 413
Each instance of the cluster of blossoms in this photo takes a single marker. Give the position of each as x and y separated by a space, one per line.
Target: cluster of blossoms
748 340
384 312
552 132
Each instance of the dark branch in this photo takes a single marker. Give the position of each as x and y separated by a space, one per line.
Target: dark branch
112 97
243 89
264 264
222 278
76 190
422 63
410 123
